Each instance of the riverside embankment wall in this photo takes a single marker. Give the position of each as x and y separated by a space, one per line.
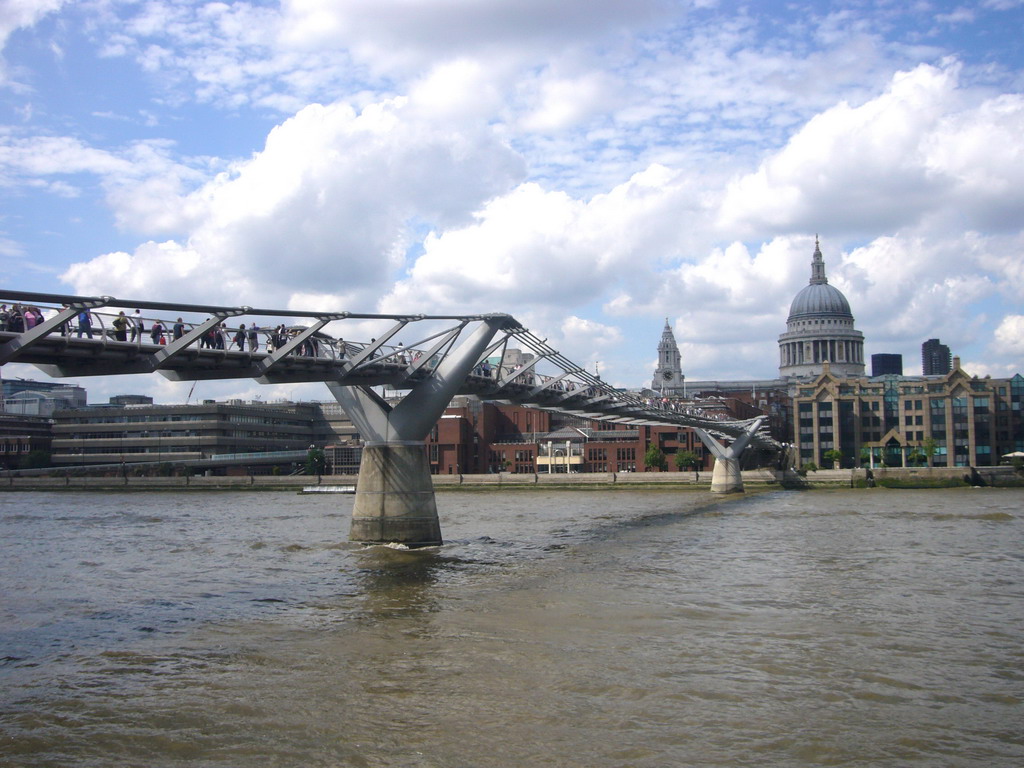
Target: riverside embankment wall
298 482
997 476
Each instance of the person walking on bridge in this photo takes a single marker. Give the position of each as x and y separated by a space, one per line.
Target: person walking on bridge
239 338
121 327
137 325
84 323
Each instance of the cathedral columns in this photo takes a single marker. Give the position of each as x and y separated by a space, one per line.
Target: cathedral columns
820 327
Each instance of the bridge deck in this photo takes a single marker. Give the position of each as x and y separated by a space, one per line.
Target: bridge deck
307 354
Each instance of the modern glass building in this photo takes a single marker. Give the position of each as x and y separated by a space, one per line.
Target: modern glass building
956 420
886 364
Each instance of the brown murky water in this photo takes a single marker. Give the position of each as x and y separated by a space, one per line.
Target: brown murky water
588 628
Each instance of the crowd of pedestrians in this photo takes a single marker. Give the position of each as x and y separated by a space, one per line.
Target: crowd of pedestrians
132 327
19 318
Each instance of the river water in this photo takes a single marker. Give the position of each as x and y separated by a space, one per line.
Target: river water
564 628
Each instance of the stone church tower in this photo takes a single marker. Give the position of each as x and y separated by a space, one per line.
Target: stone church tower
668 376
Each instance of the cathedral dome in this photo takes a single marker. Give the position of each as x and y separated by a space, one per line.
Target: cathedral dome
820 299
820 330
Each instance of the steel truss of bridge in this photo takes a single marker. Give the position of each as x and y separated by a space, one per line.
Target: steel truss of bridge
55 342
446 355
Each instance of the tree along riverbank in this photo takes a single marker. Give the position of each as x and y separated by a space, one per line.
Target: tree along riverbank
919 477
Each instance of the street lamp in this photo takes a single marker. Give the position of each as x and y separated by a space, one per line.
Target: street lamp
313 461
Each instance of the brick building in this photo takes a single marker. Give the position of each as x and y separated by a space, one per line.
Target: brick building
474 437
21 436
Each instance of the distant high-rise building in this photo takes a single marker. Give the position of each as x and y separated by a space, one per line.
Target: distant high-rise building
886 364
40 398
936 359
13 387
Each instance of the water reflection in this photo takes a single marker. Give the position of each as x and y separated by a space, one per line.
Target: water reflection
397 582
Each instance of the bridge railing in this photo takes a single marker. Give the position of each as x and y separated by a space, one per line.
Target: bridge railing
544 377
156 330
152 330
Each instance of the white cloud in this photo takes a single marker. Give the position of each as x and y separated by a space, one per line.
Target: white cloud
457 90
917 286
394 33
245 53
726 281
957 16
1001 257
18 14
48 156
1002 5
532 247
10 248
978 150
847 167
329 202
579 334
916 151
143 184
152 270
566 102
1009 338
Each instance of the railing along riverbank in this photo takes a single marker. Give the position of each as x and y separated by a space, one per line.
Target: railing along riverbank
921 477
503 480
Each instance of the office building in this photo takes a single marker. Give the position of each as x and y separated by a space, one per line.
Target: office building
23 438
25 397
886 364
936 359
178 433
960 419
476 437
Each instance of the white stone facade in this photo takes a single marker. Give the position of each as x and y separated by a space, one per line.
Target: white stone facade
668 376
820 329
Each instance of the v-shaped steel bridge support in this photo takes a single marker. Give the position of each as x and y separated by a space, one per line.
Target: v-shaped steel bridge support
395 492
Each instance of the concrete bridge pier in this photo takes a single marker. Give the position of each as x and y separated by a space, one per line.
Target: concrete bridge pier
726 476
395 492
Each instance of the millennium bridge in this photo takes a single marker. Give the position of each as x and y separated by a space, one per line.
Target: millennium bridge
431 358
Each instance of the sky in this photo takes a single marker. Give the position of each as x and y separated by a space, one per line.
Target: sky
592 167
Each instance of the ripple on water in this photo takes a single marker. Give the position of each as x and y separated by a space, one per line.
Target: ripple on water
555 629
